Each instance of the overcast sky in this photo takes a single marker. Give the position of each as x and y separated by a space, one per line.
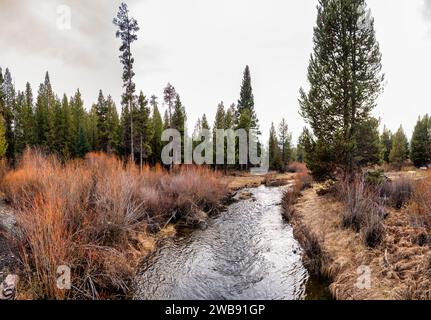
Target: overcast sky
202 47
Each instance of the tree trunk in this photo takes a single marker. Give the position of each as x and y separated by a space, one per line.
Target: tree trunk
132 150
140 158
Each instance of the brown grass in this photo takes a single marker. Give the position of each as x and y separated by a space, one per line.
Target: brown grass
297 167
363 209
399 265
96 216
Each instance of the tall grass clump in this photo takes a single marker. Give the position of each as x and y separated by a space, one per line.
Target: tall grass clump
397 193
93 215
420 205
363 209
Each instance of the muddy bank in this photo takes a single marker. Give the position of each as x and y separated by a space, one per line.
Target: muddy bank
243 180
398 268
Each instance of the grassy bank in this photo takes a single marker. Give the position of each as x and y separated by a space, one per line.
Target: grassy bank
99 217
359 228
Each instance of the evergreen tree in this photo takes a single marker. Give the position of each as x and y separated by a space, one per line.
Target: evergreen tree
62 127
156 144
127 29
245 114
77 122
219 124
369 149
90 129
420 143
399 150
386 141
103 129
82 145
230 117
275 160
285 141
166 120
169 95
3 143
114 127
144 129
345 80
246 101
178 120
44 116
8 112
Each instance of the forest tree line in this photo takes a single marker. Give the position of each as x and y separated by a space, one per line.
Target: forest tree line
65 127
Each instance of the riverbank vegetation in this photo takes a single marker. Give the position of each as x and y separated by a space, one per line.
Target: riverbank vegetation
98 216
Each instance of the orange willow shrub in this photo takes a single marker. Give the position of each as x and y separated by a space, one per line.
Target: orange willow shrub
90 215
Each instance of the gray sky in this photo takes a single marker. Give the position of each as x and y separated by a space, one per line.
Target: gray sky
202 47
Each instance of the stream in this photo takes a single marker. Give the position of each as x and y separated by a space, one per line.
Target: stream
246 253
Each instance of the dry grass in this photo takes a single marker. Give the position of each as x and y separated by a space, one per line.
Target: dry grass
97 216
246 180
363 209
297 167
398 265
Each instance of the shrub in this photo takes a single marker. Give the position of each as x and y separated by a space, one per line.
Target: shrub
375 177
420 205
303 181
94 215
373 230
397 193
363 209
297 167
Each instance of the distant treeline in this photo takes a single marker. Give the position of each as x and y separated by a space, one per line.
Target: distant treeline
65 127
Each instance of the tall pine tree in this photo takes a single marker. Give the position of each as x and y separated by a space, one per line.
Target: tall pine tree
127 29
421 142
345 80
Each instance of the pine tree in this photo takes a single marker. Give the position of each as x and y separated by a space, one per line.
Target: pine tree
44 115
275 161
82 145
386 141
219 124
62 128
246 101
8 113
369 149
285 141
345 80
245 114
169 95
230 117
399 150
144 129
127 29
114 127
156 144
421 142
166 120
24 125
178 120
90 129
77 121
3 143
103 129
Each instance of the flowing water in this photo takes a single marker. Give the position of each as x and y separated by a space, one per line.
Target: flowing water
247 252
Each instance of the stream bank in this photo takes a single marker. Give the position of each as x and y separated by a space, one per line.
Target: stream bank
247 252
397 268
